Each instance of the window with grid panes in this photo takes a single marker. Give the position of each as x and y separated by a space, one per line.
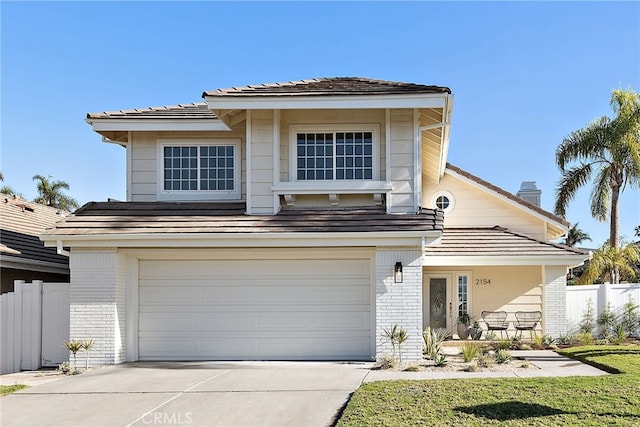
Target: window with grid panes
199 168
335 155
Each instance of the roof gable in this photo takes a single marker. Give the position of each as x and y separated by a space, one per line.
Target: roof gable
507 195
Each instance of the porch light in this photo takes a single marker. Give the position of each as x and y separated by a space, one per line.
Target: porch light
397 273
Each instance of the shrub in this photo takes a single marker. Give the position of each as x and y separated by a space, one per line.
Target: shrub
606 320
484 360
630 318
525 364
568 339
584 338
586 325
433 339
503 356
441 360
503 344
469 351
386 362
619 334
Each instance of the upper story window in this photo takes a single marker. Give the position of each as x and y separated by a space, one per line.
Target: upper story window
199 170
326 153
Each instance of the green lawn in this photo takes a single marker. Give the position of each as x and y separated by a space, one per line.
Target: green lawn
8 389
612 400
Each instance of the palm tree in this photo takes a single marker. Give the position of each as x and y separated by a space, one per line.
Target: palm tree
5 189
50 194
575 236
612 264
607 150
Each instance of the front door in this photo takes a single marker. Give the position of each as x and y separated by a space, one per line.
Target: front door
436 300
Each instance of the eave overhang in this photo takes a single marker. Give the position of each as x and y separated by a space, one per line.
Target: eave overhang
458 261
304 101
216 240
156 124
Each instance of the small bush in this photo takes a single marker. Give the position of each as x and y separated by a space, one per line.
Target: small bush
607 320
503 356
469 351
630 318
387 361
412 368
568 339
619 334
484 360
503 344
441 360
525 364
585 338
471 368
586 325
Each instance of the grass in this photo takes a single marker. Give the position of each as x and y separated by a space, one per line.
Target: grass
612 400
8 389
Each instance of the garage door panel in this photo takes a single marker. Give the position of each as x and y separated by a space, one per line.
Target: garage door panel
255 310
177 293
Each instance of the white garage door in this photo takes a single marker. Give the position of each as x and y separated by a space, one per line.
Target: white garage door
255 310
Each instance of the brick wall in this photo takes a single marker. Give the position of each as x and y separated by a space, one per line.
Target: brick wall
554 303
97 304
399 303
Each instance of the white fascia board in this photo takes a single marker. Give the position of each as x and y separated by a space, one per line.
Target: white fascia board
392 238
104 125
32 265
505 199
326 102
450 261
444 152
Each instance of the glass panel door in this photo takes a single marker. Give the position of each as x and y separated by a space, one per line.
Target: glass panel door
438 302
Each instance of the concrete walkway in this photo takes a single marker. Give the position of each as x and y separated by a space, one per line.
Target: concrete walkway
217 393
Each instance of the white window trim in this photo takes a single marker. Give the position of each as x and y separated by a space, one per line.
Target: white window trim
447 194
469 277
293 154
187 195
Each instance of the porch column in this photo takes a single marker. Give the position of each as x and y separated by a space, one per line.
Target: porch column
399 303
554 303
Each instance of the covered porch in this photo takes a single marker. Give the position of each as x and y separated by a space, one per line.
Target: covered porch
492 269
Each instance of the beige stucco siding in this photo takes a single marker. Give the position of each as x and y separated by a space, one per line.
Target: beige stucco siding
144 159
478 208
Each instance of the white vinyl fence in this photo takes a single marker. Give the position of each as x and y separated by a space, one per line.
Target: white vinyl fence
34 321
600 295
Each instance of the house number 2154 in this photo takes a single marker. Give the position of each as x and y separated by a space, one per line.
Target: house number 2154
483 281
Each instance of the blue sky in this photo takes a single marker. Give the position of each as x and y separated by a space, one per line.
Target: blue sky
524 75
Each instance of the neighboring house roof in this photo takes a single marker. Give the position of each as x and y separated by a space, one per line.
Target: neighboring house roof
21 224
508 195
132 218
464 244
329 86
194 110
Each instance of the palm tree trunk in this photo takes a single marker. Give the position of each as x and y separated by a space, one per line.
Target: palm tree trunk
614 238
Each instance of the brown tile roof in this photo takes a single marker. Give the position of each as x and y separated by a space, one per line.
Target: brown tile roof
196 110
495 241
114 218
508 195
21 223
329 86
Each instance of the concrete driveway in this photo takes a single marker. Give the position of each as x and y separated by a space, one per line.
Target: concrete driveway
190 394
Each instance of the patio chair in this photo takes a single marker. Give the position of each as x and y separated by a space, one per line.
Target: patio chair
496 321
527 321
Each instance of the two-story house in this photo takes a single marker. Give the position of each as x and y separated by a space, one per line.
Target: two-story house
297 221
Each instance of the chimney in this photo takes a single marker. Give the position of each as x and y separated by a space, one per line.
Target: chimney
529 193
